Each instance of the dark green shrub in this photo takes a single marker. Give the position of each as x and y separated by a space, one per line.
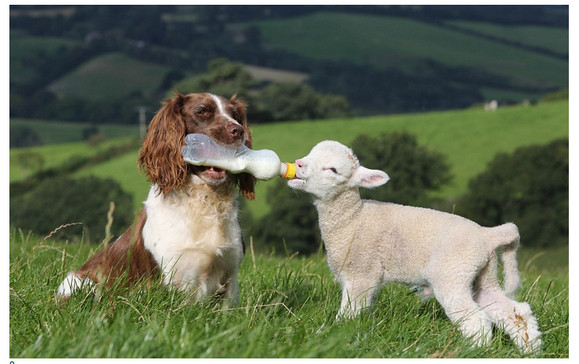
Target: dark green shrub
292 220
23 136
529 187
292 101
65 201
415 171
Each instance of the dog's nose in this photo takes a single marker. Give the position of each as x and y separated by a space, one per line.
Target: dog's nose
236 131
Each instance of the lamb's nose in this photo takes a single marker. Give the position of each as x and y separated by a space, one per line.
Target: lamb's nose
299 163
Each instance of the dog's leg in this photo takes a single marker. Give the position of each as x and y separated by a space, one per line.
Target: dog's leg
231 292
73 282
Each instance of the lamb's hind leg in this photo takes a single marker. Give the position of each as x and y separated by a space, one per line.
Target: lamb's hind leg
516 318
463 311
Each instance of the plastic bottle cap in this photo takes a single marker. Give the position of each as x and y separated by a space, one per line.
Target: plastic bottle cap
290 171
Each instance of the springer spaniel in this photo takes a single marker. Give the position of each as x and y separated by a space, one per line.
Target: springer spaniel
188 229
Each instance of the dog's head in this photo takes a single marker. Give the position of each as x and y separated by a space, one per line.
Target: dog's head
221 119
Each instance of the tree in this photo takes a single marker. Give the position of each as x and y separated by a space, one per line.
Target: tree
223 78
67 201
529 187
23 136
274 102
292 101
415 171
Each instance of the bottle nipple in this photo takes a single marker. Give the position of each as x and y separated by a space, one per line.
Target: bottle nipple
290 170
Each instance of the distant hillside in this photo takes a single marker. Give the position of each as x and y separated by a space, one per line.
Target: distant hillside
522 65
97 63
539 38
109 77
469 138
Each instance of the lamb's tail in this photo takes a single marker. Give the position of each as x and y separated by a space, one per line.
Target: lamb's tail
505 240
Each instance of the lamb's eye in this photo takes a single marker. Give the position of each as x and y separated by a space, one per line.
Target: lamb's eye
332 169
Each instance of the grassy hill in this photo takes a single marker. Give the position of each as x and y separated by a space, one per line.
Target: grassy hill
287 308
468 138
58 132
555 40
111 76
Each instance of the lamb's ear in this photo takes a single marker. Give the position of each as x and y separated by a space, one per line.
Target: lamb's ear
368 178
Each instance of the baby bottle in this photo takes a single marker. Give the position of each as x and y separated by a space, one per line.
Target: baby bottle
263 164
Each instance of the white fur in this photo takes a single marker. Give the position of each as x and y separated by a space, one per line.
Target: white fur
371 243
195 239
222 109
71 283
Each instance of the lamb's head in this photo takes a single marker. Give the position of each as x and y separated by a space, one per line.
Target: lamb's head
332 168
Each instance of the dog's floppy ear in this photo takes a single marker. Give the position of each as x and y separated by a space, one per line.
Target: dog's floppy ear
246 181
160 156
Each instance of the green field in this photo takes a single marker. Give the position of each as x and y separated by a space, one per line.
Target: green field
110 77
552 39
56 154
383 41
287 308
55 132
469 139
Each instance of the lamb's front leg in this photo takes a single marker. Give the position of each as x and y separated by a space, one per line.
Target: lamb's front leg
356 295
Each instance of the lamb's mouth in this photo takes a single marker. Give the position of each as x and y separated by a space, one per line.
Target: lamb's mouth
296 182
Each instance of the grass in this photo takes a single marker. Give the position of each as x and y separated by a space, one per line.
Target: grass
56 154
287 308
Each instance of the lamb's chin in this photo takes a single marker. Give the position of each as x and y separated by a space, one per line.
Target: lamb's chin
296 183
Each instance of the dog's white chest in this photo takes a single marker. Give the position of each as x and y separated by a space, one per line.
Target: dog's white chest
189 236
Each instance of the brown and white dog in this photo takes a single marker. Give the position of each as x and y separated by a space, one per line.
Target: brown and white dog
188 229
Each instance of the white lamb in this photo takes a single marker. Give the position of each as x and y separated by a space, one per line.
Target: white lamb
371 243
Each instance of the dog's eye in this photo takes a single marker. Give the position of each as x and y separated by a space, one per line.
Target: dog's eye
202 110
